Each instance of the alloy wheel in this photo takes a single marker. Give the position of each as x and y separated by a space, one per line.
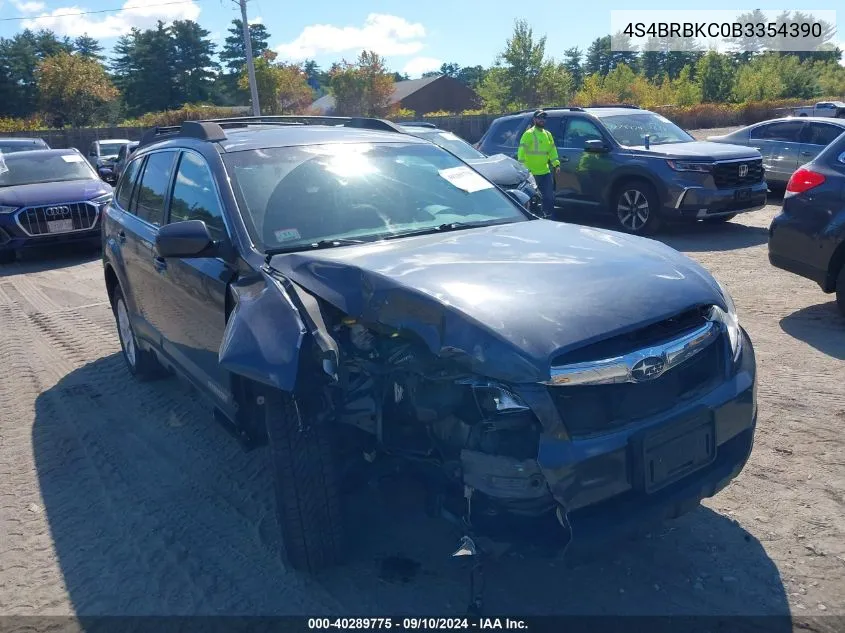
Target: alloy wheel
633 209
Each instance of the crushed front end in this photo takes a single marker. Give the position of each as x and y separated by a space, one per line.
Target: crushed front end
629 430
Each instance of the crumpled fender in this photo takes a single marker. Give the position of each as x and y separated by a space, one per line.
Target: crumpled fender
264 334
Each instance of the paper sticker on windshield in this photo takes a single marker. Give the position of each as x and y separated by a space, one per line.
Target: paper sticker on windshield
466 179
72 158
286 235
449 136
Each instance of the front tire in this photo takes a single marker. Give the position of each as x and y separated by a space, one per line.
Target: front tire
840 290
141 363
307 489
635 205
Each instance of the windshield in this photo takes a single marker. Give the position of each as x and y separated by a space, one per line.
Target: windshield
629 129
298 196
448 141
27 169
110 149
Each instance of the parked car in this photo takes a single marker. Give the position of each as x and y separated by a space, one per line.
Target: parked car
348 293
808 236
785 143
47 197
102 155
640 166
835 109
9 145
504 171
122 156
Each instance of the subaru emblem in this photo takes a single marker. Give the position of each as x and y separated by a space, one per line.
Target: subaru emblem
648 368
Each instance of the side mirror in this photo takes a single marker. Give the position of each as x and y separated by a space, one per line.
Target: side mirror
520 197
596 146
189 238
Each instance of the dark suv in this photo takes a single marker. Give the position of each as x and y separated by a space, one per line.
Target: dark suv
354 296
640 166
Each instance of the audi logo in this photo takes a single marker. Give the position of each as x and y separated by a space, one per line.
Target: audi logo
55 212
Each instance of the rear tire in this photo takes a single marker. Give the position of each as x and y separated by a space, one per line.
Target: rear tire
636 206
840 290
141 363
722 219
307 491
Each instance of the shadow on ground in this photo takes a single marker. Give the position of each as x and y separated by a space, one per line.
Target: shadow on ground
154 509
820 326
39 259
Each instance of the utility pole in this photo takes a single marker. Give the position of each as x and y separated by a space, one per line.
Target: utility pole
250 62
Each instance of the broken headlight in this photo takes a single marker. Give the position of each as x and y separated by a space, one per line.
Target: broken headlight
495 399
729 319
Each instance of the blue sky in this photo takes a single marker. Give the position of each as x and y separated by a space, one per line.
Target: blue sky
413 37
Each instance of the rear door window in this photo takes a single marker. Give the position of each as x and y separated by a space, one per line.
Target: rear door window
820 134
152 189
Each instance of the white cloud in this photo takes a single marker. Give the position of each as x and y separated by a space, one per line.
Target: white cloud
419 65
383 34
137 13
256 20
31 6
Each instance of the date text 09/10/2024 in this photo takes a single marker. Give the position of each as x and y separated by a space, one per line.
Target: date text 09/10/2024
416 624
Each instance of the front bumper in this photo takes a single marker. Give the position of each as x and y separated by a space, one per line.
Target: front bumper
698 203
599 482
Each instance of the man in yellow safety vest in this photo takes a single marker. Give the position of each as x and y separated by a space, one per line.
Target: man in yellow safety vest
537 152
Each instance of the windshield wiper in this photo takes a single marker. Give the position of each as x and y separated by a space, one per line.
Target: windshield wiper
340 241
449 226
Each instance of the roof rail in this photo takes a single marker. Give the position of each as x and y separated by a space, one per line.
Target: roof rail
213 130
616 105
571 108
417 124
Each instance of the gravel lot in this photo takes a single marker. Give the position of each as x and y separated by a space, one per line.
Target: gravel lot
123 498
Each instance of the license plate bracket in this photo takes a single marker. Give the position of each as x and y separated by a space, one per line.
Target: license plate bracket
742 194
59 226
669 455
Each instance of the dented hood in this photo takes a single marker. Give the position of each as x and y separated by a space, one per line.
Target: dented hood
500 169
509 298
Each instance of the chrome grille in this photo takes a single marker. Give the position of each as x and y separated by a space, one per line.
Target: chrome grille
600 396
33 220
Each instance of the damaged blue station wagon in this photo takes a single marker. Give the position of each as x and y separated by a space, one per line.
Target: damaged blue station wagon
341 290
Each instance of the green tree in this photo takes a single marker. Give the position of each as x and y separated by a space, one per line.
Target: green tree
494 91
19 57
620 83
143 70
572 62
471 75
522 60
73 89
685 89
715 76
192 61
282 88
555 86
88 47
599 59
364 88
831 78
233 54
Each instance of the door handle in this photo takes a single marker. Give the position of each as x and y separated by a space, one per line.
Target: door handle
160 264
121 236
563 159
806 153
